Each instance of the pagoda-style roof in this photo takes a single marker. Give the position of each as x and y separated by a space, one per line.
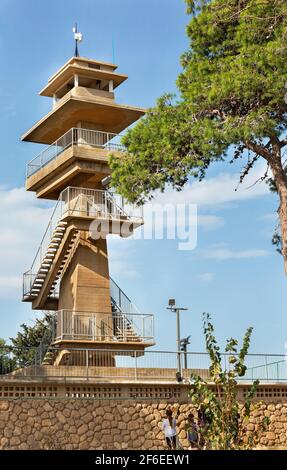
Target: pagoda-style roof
83 105
86 68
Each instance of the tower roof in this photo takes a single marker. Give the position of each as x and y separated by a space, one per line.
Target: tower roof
90 69
82 91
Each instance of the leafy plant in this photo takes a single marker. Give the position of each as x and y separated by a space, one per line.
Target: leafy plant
225 418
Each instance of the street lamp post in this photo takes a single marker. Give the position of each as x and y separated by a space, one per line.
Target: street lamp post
177 310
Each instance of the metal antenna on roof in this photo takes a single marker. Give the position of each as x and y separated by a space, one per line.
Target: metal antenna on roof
78 38
113 50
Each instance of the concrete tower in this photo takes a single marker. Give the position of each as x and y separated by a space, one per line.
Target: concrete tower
70 272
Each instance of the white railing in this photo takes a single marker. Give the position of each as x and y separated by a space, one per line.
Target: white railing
80 202
79 137
83 202
116 326
153 365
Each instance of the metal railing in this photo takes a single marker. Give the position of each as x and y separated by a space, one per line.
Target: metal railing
151 365
120 300
79 137
82 202
114 326
30 276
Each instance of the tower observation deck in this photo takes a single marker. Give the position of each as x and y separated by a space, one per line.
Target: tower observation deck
70 272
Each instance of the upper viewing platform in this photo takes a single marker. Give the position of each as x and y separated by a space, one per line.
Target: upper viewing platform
83 92
90 71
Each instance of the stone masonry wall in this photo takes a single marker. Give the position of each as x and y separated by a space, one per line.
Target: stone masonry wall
108 424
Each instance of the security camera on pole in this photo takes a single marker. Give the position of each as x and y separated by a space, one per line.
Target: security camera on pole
184 342
177 310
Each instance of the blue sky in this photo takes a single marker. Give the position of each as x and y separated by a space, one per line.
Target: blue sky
234 273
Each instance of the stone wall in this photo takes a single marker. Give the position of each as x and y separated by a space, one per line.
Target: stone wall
108 424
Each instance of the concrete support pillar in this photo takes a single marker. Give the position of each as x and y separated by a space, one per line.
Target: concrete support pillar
55 99
85 287
76 80
85 302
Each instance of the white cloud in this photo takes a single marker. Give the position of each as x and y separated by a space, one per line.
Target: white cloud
222 252
206 277
121 251
211 193
23 221
210 222
270 217
219 190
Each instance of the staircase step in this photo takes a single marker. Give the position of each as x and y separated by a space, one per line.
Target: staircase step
57 234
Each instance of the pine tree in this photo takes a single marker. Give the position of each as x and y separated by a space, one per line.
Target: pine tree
231 101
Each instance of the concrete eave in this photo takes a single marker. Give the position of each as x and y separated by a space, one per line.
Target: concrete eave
71 69
82 105
112 345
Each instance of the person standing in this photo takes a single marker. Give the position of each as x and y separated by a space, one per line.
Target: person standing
169 429
192 429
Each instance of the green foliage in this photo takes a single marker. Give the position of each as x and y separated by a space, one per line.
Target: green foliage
226 418
277 242
231 92
26 341
7 362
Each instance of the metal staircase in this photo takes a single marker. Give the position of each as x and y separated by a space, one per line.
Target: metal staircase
61 238
57 248
106 206
41 287
123 320
122 326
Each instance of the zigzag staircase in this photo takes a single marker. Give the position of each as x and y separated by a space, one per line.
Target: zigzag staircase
123 326
54 255
60 240
54 261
